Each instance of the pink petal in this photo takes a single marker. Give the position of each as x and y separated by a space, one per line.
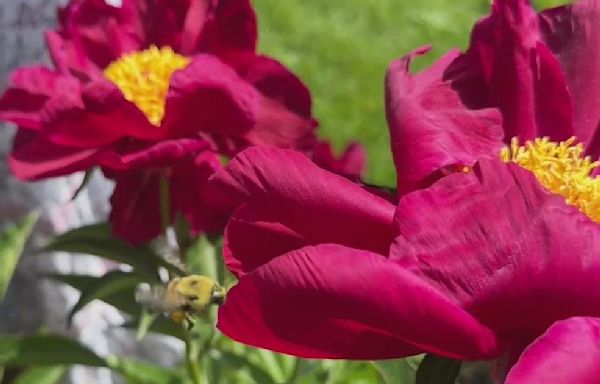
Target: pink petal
330 301
28 92
502 246
98 116
229 25
573 34
431 125
186 164
351 163
273 80
252 238
318 205
135 214
520 73
567 353
34 158
212 95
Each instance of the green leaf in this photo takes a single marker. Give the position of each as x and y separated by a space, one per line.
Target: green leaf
45 350
41 375
395 371
239 362
146 320
438 370
97 239
109 284
123 300
201 258
139 372
12 242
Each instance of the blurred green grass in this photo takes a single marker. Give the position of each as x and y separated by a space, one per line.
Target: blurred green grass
341 49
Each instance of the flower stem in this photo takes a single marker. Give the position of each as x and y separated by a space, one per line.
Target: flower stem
191 358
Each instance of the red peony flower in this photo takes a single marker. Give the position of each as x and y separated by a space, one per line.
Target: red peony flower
134 77
491 250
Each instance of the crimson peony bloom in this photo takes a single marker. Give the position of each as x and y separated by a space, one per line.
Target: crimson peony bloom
130 78
351 163
492 245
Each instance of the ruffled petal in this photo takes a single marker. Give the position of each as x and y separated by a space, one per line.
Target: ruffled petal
503 246
318 205
223 26
34 158
186 164
99 115
573 34
28 92
98 30
352 163
209 96
567 353
520 73
273 80
330 301
431 125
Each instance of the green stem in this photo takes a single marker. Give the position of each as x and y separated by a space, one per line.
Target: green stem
191 358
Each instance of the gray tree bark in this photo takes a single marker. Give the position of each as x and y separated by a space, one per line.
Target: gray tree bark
33 302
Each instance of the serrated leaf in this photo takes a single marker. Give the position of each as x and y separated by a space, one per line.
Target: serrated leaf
45 350
139 372
437 370
12 242
41 375
98 240
395 371
109 284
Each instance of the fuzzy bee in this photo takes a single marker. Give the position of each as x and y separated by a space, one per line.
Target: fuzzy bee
182 298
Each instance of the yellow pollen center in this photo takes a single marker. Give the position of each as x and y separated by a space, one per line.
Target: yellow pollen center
144 78
562 169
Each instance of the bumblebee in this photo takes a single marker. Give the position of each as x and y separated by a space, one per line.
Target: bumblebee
183 297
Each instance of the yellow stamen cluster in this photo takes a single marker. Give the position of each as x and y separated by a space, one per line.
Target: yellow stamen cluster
562 169
144 78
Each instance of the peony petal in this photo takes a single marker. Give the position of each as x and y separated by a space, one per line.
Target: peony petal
330 301
100 115
567 353
186 164
273 80
35 158
211 94
98 30
135 214
28 92
316 204
573 34
227 25
502 246
352 162
431 125
252 238
519 73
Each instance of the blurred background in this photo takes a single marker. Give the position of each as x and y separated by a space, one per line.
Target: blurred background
339 48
